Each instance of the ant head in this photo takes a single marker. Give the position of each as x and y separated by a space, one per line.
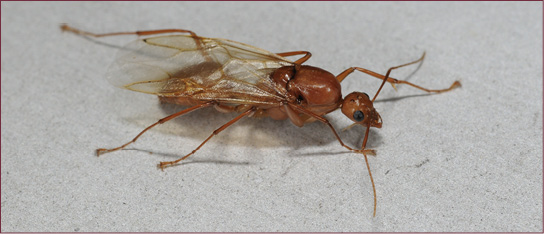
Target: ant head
359 108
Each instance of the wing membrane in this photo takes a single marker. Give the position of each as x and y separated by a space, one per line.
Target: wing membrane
202 68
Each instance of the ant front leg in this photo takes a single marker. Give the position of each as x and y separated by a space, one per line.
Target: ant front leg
325 121
363 151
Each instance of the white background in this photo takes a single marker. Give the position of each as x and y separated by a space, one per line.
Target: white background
467 160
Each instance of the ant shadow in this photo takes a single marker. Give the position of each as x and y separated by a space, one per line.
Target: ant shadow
259 133
99 42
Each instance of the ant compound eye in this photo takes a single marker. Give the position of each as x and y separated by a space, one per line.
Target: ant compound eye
358 116
366 95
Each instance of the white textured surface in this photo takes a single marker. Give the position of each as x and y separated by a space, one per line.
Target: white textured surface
468 160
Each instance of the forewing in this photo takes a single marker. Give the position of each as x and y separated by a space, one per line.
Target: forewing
202 68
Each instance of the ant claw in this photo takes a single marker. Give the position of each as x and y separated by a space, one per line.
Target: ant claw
370 152
456 84
163 165
100 152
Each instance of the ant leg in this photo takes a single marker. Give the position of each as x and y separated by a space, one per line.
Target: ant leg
198 40
394 81
65 27
363 150
300 60
162 165
103 151
326 121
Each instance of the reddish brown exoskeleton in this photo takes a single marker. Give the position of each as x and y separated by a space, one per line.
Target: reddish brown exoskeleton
231 76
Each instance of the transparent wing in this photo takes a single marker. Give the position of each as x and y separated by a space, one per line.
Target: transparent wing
202 68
